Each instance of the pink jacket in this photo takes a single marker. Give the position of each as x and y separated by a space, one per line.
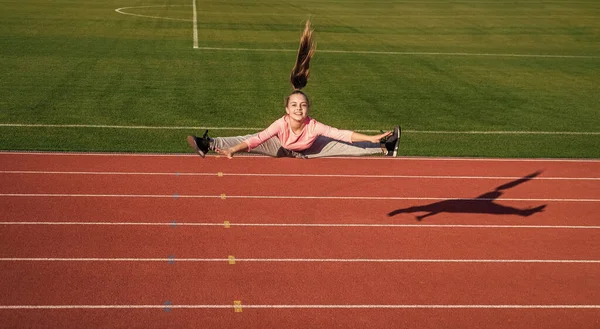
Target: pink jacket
298 142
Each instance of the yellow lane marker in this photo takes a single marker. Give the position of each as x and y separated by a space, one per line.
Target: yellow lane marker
220 174
223 196
231 260
237 306
227 224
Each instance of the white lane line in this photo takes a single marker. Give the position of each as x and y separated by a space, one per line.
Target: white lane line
307 306
195 24
295 197
296 260
41 172
592 227
466 132
223 174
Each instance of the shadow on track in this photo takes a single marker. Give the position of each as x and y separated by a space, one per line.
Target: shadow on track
483 204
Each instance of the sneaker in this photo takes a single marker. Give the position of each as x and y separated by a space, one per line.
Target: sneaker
200 144
392 142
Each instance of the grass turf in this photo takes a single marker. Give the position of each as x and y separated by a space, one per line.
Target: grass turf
454 66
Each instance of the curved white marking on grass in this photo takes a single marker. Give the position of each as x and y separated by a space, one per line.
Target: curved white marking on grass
121 11
468 132
37 172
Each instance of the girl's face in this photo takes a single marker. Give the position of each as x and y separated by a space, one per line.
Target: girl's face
297 107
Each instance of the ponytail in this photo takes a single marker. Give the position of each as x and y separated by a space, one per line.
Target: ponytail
301 71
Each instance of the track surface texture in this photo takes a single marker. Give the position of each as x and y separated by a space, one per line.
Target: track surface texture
177 241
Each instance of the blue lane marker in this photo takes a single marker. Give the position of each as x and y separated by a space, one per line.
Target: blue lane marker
171 259
176 174
167 304
175 195
173 223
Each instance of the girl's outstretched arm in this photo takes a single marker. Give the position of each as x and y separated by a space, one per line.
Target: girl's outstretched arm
234 149
358 137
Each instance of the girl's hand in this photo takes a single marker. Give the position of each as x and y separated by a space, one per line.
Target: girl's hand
377 138
234 149
226 152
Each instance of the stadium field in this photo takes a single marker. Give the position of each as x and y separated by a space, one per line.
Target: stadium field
463 78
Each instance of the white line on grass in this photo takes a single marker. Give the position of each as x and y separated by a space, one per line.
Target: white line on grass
122 11
411 2
304 306
267 14
298 260
195 24
224 174
472 226
409 53
399 16
294 197
467 132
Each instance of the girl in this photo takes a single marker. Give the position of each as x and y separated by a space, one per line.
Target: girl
296 134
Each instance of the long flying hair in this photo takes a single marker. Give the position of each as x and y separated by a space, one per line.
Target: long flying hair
301 71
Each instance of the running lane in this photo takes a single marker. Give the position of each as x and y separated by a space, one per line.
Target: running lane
527 253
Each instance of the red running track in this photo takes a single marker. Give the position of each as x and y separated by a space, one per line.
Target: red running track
155 241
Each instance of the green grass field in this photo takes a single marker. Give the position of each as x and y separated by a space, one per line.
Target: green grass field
463 78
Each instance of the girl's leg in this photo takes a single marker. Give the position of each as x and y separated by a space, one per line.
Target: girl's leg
271 147
327 147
